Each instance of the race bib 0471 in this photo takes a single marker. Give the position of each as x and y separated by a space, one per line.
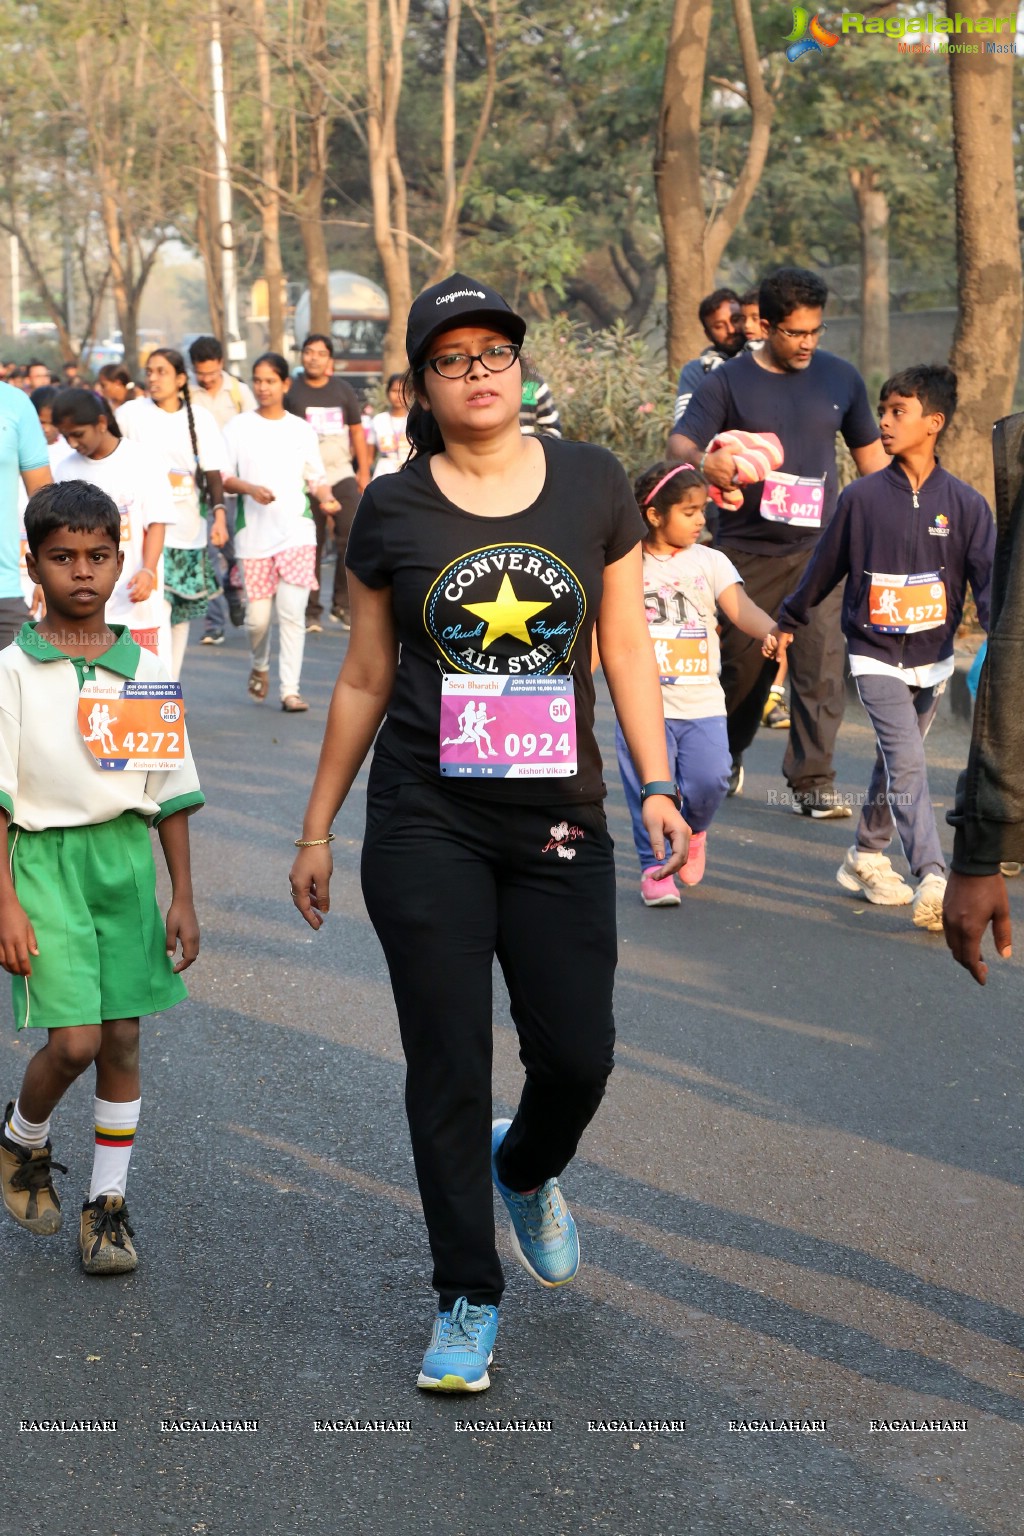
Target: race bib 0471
133 725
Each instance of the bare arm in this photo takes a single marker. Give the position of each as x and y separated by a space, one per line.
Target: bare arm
746 615
35 479
17 936
870 458
182 923
261 493
361 455
358 706
627 657
142 583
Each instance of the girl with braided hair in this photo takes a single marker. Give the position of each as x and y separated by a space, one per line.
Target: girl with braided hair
190 446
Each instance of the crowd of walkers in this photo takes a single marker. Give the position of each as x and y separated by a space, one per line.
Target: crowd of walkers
484 568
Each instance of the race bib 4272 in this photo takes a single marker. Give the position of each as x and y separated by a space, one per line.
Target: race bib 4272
133 725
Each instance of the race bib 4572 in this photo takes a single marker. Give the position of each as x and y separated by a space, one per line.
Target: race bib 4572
905 605
133 725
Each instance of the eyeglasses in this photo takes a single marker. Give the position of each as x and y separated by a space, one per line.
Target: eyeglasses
456 365
814 335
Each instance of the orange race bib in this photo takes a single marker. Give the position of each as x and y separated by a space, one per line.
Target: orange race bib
133 725
681 651
183 486
905 605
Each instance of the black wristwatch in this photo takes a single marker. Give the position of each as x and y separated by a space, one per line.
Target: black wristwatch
661 787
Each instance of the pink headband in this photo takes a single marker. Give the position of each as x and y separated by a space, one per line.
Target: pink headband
665 481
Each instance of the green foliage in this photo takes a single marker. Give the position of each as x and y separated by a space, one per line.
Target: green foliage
608 387
535 241
857 107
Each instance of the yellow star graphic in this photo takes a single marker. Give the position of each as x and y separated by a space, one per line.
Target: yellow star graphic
506 615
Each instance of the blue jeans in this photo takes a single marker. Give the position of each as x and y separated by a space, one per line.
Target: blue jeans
224 560
699 761
898 798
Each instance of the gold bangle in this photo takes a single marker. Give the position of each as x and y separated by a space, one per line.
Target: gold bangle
314 842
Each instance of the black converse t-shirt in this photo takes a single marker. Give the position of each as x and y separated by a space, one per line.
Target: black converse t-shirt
512 595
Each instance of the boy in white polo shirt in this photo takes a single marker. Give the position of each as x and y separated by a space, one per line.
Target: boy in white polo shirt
93 751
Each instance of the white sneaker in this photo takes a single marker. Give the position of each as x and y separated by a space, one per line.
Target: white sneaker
872 876
928 903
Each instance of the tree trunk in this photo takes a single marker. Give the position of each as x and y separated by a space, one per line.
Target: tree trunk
450 210
387 185
270 194
986 342
677 176
311 196
873 221
694 245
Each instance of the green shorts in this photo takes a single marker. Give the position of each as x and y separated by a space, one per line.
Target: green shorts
90 895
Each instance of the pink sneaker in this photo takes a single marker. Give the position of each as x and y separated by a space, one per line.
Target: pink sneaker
692 872
658 893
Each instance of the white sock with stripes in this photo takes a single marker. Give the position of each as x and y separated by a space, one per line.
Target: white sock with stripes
115 1136
23 1132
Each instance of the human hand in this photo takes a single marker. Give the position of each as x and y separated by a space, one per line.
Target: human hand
972 902
310 881
219 532
183 928
141 586
665 825
17 937
720 468
770 644
330 506
262 493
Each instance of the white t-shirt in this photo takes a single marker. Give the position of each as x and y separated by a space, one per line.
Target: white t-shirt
682 591
143 497
393 447
283 455
165 436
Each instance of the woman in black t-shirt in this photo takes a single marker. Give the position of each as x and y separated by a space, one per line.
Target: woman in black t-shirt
489 559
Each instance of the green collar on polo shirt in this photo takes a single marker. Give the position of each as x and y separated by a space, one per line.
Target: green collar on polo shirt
122 657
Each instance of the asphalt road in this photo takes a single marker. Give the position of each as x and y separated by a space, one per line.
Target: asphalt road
800 1200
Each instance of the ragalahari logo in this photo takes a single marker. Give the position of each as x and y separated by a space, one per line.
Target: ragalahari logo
808 35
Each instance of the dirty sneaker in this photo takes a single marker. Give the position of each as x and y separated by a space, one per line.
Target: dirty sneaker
26 1180
106 1237
928 902
872 876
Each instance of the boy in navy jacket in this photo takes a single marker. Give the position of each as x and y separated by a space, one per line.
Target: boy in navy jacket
907 540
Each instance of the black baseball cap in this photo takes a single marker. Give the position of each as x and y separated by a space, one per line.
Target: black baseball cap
457 301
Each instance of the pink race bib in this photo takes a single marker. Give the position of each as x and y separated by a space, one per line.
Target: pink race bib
507 727
794 499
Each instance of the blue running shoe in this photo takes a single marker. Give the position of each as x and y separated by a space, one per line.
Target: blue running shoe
460 1350
543 1233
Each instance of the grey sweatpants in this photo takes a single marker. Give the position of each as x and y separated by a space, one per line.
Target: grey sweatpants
898 798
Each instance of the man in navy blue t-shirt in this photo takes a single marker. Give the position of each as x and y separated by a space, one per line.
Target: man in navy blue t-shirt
805 397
